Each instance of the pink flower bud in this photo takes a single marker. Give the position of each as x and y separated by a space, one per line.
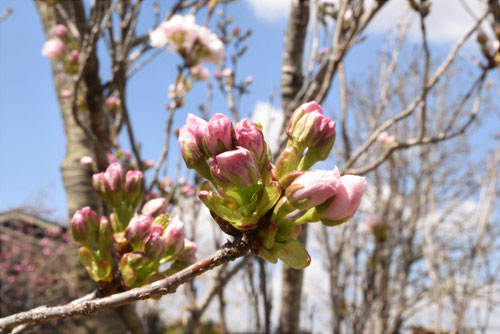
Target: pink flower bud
73 56
236 31
53 48
249 79
61 31
308 127
386 138
313 188
182 181
156 228
127 155
188 254
192 153
148 163
345 202
155 207
249 136
134 181
82 223
236 168
113 177
188 190
156 246
481 37
200 72
138 229
98 183
175 235
217 74
87 161
219 134
111 158
227 72
65 93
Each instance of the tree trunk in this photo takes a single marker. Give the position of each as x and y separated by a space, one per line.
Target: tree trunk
291 82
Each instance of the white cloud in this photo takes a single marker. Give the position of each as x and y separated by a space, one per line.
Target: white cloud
271 119
270 9
447 21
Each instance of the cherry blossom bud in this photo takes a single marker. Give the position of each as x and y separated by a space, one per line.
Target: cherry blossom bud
155 207
134 181
249 79
111 158
98 183
127 155
156 228
481 37
218 74
313 188
200 72
105 233
53 48
236 31
87 161
249 136
219 134
175 235
61 31
495 46
345 203
82 224
156 246
308 127
113 177
138 229
237 168
188 254
188 190
65 93
73 56
227 72
386 138
192 153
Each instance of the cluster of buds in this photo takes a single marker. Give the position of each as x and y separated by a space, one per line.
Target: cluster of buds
490 48
142 241
248 195
372 224
95 236
193 42
63 47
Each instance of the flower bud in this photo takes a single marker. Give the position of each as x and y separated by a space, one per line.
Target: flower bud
113 178
386 138
219 134
105 233
200 72
156 246
308 129
481 37
73 56
53 48
155 207
156 228
82 224
236 168
87 161
346 201
138 229
191 151
175 235
313 188
134 182
188 254
249 136
98 183
188 190
61 31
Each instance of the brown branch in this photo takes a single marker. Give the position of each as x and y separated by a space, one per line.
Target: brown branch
86 306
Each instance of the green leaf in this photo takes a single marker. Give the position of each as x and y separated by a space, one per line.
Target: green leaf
294 254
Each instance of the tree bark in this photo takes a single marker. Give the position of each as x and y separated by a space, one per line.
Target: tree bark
291 82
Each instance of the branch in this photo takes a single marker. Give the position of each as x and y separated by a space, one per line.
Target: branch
87 305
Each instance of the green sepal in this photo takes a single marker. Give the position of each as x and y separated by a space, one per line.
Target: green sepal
268 234
294 254
287 161
268 198
268 255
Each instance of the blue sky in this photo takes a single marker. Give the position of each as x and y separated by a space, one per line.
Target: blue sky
32 143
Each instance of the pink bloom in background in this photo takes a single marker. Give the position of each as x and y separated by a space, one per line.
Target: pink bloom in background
236 31
249 80
148 163
166 182
111 101
348 15
346 201
495 46
188 190
189 252
53 48
324 50
386 138
227 72
65 93
200 72
61 31
87 161
313 188
183 35
369 224
127 155
182 181
218 74
111 158
176 91
73 57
